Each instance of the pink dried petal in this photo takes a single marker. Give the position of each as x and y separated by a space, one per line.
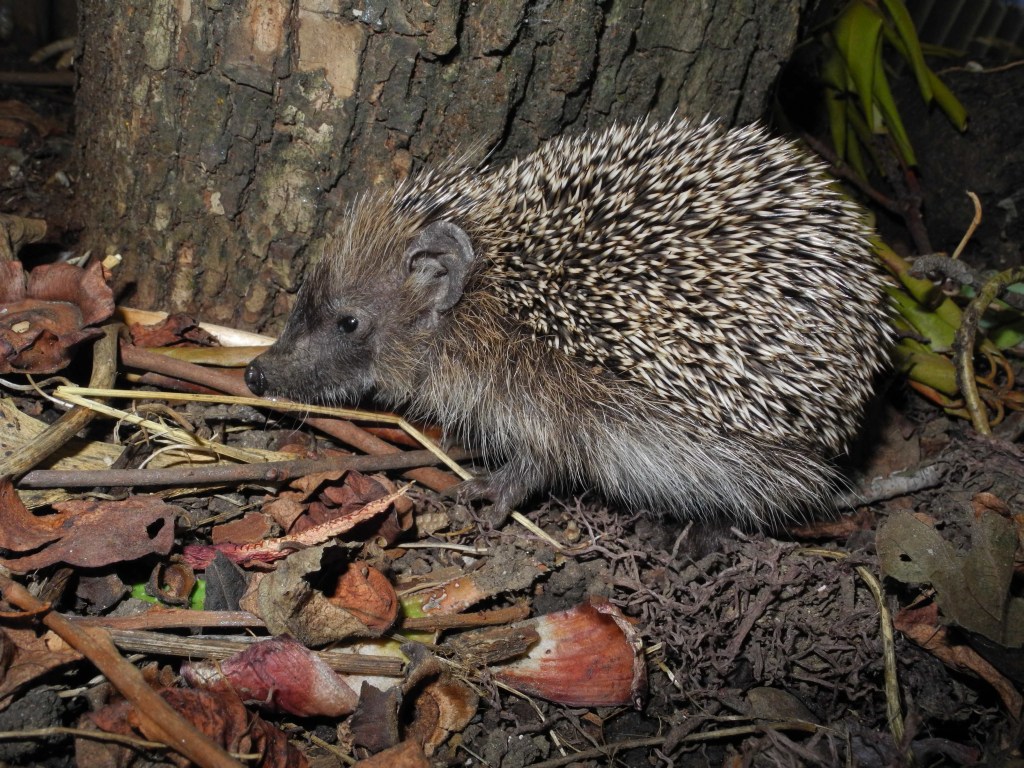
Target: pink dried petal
85 288
12 281
282 675
37 335
588 656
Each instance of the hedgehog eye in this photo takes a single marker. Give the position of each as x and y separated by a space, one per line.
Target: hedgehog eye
347 323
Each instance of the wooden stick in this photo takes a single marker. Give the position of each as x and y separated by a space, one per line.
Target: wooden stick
186 476
345 431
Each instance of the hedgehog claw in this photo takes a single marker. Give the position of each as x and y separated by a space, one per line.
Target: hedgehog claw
503 493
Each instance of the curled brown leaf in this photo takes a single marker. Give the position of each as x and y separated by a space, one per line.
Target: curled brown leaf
49 311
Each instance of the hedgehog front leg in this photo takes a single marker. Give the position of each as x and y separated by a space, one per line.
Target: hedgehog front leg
505 487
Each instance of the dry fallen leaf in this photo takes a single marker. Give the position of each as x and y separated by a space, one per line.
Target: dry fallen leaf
408 754
19 124
45 314
439 708
431 705
25 655
263 553
374 724
505 570
218 713
318 499
435 703
971 589
171 583
252 526
173 329
84 533
366 593
766 703
922 625
289 601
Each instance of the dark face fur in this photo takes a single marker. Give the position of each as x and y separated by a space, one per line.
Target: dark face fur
328 346
364 319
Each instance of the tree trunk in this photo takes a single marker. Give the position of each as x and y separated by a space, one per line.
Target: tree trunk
218 139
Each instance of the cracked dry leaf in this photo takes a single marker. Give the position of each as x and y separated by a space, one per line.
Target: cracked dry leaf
265 553
922 626
318 499
26 655
430 706
972 590
84 533
299 599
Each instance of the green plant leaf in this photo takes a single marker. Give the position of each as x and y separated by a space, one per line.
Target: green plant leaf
855 156
858 36
948 103
928 324
932 369
139 593
887 105
911 45
197 600
834 75
924 291
1007 336
939 91
864 136
942 51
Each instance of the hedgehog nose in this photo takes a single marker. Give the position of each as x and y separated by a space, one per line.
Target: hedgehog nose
255 378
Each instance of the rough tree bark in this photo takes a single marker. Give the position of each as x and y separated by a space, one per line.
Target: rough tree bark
217 139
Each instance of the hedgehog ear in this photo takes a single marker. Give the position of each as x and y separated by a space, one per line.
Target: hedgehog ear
438 259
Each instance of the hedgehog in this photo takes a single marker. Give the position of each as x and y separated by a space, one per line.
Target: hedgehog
684 317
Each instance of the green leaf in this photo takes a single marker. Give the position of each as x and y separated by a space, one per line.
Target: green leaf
139 593
1008 336
865 138
941 51
887 104
939 92
932 369
856 157
858 36
197 600
834 74
912 45
948 103
928 324
924 291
